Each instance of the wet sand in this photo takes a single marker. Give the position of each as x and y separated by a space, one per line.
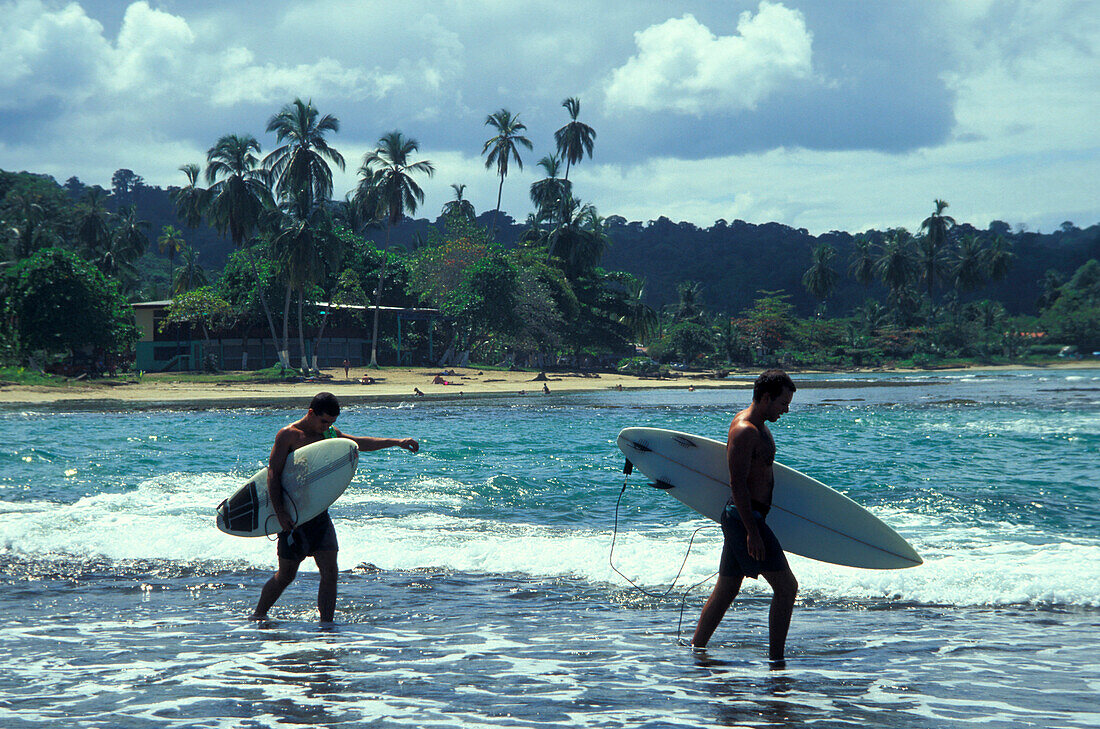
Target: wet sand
390 383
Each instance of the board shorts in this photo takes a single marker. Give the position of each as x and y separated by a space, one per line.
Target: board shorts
316 535
736 561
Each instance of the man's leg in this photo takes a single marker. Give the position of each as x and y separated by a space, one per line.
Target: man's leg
326 591
784 590
725 590
275 586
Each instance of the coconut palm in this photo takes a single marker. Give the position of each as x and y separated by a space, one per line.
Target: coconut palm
967 264
299 170
32 230
130 233
640 318
502 148
933 245
551 193
896 268
191 275
580 240
170 243
93 228
576 138
238 198
191 199
862 266
306 249
459 206
998 259
388 189
689 307
820 278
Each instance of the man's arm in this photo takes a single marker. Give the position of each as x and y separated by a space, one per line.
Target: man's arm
367 443
742 443
275 464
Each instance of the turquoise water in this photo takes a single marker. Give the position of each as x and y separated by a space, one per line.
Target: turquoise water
475 583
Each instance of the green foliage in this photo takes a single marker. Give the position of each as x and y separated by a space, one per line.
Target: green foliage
685 342
638 366
62 304
201 307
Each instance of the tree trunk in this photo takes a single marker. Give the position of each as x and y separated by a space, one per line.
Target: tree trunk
263 301
284 353
317 341
378 300
500 191
301 333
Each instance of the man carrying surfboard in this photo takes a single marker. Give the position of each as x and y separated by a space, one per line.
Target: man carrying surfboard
750 549
317 537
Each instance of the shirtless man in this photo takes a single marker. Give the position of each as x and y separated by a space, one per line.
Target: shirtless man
750 548
315 538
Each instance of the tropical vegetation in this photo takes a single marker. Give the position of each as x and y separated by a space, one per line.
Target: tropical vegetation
568 287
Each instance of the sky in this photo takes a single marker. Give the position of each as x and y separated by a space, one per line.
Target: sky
818 114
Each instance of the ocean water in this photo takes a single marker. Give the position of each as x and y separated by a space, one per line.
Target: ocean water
476 588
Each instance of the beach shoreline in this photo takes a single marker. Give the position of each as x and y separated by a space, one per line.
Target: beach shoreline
397 384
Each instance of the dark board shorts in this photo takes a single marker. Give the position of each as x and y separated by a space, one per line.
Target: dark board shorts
316 535
736 561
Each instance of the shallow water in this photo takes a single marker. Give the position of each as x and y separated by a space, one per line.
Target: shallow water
476 588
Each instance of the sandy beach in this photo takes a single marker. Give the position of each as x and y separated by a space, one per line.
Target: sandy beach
390 383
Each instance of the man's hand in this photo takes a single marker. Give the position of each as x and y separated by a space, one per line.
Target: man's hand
755 546
286 524
409 444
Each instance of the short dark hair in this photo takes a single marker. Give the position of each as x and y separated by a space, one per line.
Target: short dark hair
325 403
772 382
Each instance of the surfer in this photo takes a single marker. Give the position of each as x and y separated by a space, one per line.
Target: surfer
317 537
750 549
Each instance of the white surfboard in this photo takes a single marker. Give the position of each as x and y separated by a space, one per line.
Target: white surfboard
808 517
314 477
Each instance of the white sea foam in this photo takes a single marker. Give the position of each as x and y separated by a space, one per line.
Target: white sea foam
171 518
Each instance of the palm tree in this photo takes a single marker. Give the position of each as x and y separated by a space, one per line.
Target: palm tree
575 139
895 266
190 200
459 206
170 243
237 199
580 240
998 259
1051 284
689 307
502 147
820 279
191 275
298 168
640 318
550 194
33 231
862 267
307 248
388 189
93 228
932 250
967 264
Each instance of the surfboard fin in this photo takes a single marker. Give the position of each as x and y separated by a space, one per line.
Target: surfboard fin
628 468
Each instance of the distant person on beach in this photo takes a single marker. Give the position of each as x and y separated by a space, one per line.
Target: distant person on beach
317 537
417 392
750 549
439 380
347 368
545 389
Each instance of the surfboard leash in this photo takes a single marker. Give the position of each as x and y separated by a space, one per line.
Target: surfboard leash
627 470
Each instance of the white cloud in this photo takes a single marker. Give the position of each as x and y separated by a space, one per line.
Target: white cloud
48 55
682 66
